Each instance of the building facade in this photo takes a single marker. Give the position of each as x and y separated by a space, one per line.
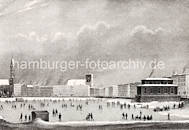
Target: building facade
94 92
157 89
46 91
133 89
17 90
182 80
102 92
36 91
122 90
60 91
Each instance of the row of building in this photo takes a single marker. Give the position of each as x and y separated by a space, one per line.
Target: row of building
23 90
121 90
169 88
165 88
74 87
149 89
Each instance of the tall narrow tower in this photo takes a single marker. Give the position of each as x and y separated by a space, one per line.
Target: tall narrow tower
89 79
11 79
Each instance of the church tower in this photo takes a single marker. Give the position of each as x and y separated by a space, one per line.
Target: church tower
11 79
89 79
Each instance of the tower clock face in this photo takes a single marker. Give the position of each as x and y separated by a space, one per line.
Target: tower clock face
88 78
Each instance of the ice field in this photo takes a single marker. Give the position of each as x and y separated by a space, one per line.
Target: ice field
110 109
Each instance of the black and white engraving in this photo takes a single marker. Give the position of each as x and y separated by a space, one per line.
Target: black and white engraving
94 64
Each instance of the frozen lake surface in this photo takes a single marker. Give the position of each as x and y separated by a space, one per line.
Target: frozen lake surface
110 109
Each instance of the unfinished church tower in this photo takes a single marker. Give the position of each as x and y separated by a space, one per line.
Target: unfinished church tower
11 79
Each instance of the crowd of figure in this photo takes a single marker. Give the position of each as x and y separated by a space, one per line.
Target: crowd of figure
167 107
79 106
137 117
25 118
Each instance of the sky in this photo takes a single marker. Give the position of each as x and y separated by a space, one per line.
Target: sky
95 29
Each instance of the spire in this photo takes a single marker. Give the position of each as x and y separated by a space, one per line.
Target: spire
12 62
11 79
12 68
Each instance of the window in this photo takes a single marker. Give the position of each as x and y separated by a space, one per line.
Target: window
165 90
168 90
151 90
159 90
145 90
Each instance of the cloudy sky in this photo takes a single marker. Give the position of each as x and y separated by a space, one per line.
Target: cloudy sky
95 29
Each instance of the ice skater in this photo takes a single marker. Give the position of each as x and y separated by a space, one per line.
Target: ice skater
168 116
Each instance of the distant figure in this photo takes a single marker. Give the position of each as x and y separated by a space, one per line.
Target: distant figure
128 106
126 116
148 117
21 116
144 117
1 106
123 115
92 117
132 117
29 118
140 113
25 117
60 117
168 116
56 111
174 106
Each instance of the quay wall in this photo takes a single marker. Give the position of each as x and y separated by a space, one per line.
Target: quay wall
138 125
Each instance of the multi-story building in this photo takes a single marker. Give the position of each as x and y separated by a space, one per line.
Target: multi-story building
78 87
36 91
122 90
79 90
133 89
17 90
157 89
182 80
94 91
109 91
46 91
102 92
60 90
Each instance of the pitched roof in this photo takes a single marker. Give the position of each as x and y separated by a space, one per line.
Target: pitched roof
157 79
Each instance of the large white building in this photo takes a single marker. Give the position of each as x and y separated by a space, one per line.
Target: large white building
102 92
121 90
109 91
182 80
17 90
78 87
61 90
